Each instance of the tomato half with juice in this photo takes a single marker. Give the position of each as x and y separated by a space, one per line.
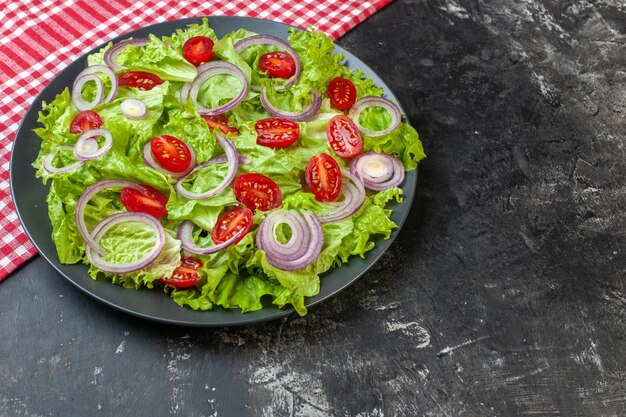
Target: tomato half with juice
231 222
198 50
257 192
149 200
277 64
344 136
171 153
186 274
221 122
84 121
276 132
323 176
342 93
139 79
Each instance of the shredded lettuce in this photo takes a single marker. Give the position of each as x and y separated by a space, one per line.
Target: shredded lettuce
240 276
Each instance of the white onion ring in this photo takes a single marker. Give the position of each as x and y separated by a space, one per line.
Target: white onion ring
392 177
83 154
94 69
274 41
115 268
371 101
134 109
307 113
77 94
47 162
232 158
210 69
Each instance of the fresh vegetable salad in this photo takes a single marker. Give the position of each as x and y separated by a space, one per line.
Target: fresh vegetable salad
221 170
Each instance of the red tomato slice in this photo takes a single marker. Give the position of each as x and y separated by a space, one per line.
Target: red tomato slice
198 50
344 137
275 132
221 122
185 275
277 64
342 93
139 79
230 223
323 176
257 191
151 201
84 121
171 153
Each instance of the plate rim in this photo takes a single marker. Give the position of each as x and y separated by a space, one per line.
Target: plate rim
243 318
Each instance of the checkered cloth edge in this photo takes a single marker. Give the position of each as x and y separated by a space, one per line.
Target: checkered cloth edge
39 39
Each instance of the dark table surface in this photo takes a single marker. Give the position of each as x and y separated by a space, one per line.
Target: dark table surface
502 296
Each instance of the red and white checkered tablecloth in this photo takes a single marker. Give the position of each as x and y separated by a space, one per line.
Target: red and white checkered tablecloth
39 39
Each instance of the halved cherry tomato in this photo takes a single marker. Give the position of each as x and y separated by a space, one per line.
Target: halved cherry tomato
139 79
171 153
198 49
342 93
257 191
151 201
84 121
230 223
344 137
185 275
220 121
323 176
275 132
277 64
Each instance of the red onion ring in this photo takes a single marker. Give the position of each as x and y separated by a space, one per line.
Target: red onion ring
274 41
354 196
184 92
115 219
307 113
114 51
133 108
371 101
232 158
79 213
304 246
210 69
94 69
77 94
47 162
148 159
393 170
83 154
185 236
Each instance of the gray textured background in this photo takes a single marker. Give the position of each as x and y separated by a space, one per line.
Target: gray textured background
502 296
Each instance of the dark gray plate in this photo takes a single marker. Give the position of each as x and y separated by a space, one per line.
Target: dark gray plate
29 196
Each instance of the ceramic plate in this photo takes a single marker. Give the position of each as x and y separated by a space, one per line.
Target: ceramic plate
29 196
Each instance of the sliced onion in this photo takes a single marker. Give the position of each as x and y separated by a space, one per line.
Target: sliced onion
210 69
378 171
274 41
114 51
184 92
84 148
115 219
232 158
79 214
185 236
304 245
77 92
353 198
93 70
307 113
372 101
47 162
148 159
134 109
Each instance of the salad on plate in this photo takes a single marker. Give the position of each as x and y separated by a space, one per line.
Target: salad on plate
222 171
